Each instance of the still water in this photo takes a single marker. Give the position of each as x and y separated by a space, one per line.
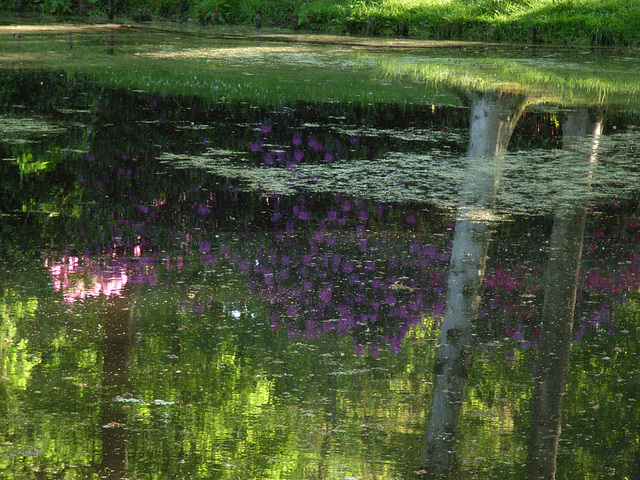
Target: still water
196 287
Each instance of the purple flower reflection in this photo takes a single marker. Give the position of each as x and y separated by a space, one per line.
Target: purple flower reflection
394 344
204 247
311 330
269 158
265 129
325 293
273 317
297 139
429 251
315 144
255 147
390 299
302 213
298 155
335 261
595 319
290 227
348 266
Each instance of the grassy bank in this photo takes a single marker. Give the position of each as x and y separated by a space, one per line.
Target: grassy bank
585 22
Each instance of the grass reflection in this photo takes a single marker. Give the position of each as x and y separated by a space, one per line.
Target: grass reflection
273 69
594 81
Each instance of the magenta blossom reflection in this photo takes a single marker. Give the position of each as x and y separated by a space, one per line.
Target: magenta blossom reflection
78 283
83 278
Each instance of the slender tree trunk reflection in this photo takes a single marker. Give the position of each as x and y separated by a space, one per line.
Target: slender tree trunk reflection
115 381
565 252
493 118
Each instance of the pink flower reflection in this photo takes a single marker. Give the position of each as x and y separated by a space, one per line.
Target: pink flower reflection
80 279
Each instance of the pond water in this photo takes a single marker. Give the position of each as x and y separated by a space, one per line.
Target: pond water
408 275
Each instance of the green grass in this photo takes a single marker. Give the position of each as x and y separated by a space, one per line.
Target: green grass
586 22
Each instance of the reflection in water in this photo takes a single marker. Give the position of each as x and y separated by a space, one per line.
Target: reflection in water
116 366
561 281
493 118
79 282
292 336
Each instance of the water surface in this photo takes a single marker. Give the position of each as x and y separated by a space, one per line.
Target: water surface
275 281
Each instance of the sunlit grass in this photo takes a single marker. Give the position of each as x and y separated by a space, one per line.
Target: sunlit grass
586 22
553 21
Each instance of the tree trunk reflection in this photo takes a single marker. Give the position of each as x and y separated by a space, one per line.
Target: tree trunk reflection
493 118
115 381
565 252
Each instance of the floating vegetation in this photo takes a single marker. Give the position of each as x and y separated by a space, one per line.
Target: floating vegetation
19 130
530 182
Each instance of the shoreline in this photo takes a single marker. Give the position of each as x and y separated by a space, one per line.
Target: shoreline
473 31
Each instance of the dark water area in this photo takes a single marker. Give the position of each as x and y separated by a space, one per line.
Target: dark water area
327 290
